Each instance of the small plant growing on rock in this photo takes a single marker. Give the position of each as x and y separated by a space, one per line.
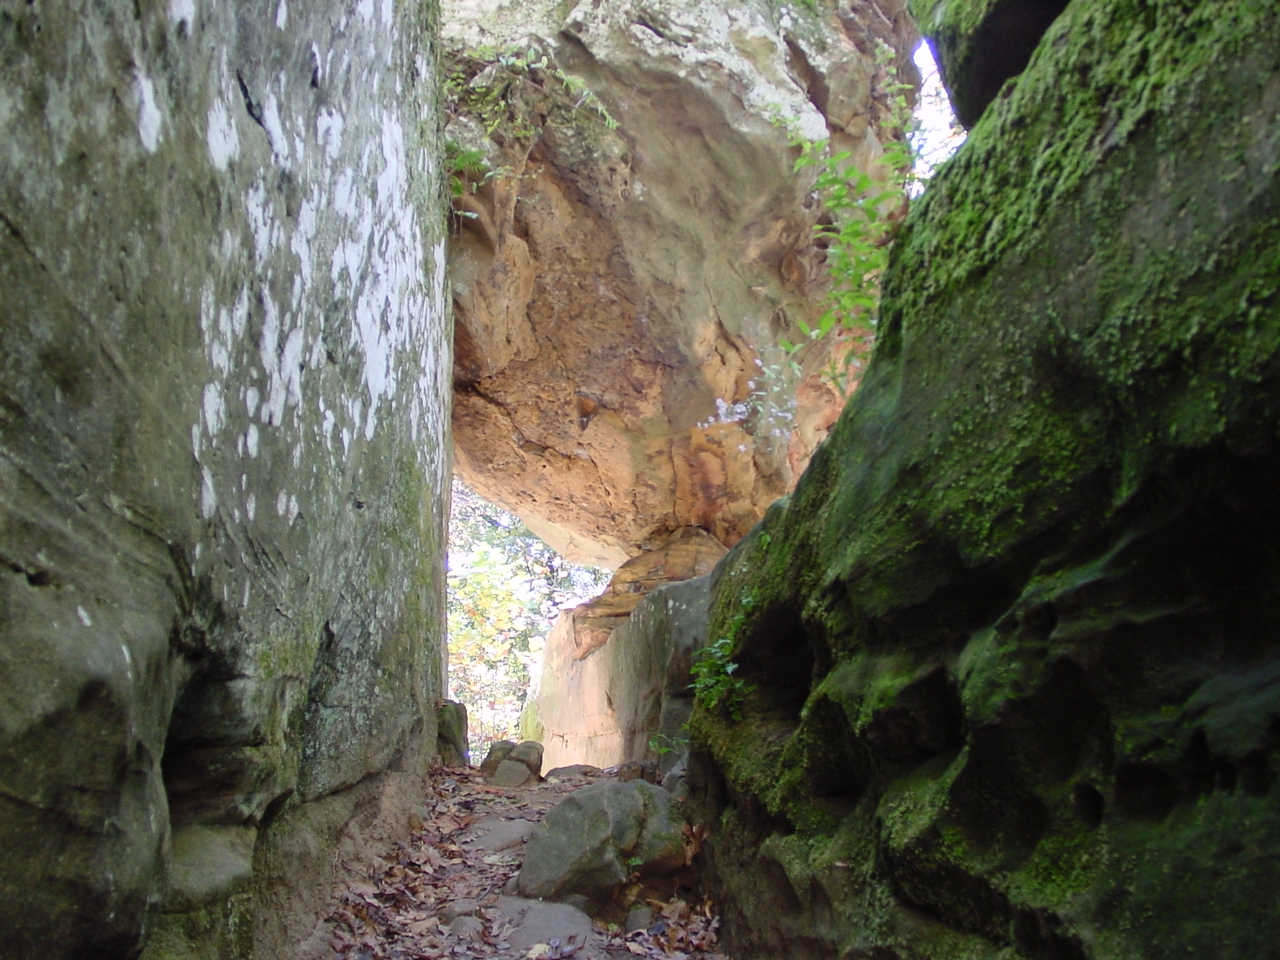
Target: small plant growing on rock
661 744
468 169
863 217
714 685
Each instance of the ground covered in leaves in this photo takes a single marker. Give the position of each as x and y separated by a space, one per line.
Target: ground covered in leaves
449 891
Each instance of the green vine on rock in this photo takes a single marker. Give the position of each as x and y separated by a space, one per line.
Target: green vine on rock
714 685
862 217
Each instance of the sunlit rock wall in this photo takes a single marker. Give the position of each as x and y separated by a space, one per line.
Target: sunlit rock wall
629 699
224 405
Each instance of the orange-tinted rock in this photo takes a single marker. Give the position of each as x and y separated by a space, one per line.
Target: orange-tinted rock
689 553
621 292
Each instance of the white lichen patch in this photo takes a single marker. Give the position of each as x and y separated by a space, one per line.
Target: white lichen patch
329 124
182 12
274 126
208 494
221 136
148 112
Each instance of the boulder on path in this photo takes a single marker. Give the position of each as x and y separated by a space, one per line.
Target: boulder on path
451 738
599 838
530 754
497 753
517 765
512 773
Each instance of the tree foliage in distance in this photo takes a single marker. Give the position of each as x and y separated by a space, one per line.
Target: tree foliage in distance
505 588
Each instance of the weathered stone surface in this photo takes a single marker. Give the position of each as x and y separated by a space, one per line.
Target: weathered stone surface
620 290
594 840
497 753
459 908
529 753
573 770
467 927
492 834
223 409
688 553
536 922
605 709
1014 636
451 740
511 773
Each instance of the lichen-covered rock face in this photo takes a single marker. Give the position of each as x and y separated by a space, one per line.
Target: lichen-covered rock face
623 272
1014 636
224 405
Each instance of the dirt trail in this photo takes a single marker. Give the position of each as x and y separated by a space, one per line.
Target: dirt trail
449 891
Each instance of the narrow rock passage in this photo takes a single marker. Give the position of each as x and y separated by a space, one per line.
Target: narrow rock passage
448 891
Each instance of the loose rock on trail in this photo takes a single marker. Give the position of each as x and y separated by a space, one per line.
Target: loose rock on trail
449 891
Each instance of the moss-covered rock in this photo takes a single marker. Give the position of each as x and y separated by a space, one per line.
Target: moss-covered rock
1013 637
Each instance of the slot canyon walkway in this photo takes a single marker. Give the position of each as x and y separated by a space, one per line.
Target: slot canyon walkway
448 891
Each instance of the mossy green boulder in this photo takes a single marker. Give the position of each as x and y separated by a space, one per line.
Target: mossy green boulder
1014 638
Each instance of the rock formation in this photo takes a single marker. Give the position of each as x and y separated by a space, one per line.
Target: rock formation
599 839
224 404
610 706
631 244
1013 639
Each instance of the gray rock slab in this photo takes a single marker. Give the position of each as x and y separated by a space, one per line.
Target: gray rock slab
459 908
539 922
492 834
466 926
640 918
573 770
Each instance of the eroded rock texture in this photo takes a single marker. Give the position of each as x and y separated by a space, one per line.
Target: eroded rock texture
609 706
224 401
623 275
1013 639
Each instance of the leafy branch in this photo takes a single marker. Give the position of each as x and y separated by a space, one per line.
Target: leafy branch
714 685
863 215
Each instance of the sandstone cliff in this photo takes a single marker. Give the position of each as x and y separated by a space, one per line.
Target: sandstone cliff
224 404
1012 642
631 244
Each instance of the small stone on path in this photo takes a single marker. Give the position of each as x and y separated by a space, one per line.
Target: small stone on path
468 927
538 922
